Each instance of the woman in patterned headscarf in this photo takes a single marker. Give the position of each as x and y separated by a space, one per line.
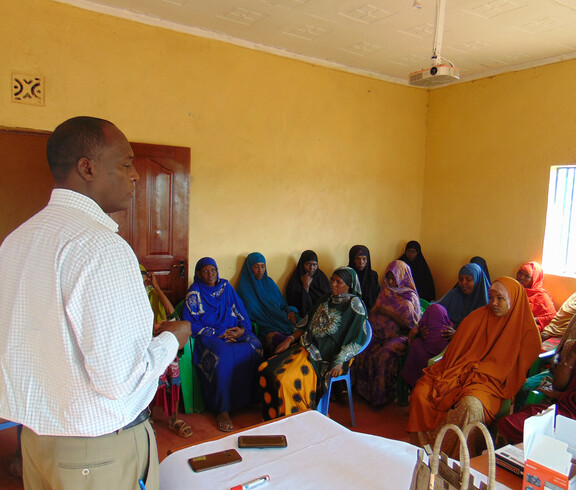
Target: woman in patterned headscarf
396 312
295 379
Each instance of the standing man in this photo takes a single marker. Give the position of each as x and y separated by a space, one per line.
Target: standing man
78 363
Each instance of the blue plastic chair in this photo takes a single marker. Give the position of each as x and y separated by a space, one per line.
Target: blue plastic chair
325 400
6 424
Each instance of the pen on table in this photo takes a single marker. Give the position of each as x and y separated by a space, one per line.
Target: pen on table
253 483
141 483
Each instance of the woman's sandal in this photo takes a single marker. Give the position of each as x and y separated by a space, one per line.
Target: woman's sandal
224 423
181 428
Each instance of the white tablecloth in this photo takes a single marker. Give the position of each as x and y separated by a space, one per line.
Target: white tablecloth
321 454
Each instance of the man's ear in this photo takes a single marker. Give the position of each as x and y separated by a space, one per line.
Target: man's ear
85 168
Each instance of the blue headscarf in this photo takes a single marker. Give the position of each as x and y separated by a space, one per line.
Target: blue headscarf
211 310
482 263
264 300
460 305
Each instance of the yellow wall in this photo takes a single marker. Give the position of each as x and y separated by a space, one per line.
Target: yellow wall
288 155
285 155
490 146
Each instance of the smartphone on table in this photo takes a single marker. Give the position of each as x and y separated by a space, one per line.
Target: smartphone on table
214 460
262 441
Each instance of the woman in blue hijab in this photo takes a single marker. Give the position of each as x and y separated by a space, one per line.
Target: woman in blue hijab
265 304
226 351
470 293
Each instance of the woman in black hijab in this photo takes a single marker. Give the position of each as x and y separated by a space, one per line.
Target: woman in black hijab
359 260
482 263
420 270
307 285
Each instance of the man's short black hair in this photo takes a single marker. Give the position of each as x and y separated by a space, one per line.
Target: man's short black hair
78 137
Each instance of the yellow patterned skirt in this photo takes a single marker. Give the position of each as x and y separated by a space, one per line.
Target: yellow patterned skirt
287 383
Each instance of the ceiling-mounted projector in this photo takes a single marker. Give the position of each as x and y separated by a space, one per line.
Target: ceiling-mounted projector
438 72
435 75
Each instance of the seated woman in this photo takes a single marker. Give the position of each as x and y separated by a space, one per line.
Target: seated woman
426 341
482 263
557 326
535 381
226 352
531 276
396 312
420 270
486 362
265 304
359 260
296 379
168 394
561 390
470 293
307 284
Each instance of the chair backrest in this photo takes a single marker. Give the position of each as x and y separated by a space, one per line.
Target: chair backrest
178 310
423 305
542 362
368 337
436 358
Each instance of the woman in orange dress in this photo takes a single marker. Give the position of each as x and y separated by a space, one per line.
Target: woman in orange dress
486 362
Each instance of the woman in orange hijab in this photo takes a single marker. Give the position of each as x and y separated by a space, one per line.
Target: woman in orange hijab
486 362
531 276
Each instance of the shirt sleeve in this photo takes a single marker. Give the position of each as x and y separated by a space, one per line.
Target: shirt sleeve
111 320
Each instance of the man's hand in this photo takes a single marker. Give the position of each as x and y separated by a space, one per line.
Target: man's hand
181 329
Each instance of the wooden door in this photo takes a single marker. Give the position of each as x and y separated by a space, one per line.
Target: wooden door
26 181
156 225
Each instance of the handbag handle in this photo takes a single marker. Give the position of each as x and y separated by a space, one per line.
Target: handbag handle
490 446
464 455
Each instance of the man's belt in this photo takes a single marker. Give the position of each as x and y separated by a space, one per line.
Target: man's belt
142 417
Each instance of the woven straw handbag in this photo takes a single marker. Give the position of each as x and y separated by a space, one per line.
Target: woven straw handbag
438 474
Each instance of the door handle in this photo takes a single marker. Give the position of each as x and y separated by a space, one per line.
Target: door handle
181 265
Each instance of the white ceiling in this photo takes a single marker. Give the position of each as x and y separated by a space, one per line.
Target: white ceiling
385 39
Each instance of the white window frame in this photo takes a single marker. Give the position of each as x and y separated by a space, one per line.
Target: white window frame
559 254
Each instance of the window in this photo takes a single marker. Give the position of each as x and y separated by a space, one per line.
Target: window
559 255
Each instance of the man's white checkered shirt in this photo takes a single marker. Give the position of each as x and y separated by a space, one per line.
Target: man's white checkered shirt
77 357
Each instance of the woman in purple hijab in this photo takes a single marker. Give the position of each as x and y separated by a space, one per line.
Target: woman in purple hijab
426 341
396 312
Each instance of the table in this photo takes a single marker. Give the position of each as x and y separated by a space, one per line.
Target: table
320 454
507 478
